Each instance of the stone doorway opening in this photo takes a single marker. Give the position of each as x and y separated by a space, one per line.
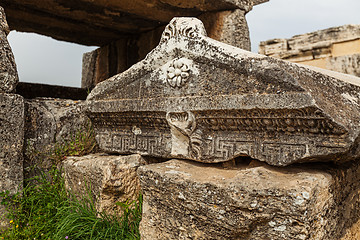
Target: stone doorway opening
43 61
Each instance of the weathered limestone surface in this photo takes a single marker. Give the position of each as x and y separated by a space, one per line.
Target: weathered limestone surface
228 27
187 200
111 178
195 98
335 49
8 73
11 144
349 64
49 121
99 22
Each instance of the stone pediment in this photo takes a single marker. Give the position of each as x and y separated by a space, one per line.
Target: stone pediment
195 98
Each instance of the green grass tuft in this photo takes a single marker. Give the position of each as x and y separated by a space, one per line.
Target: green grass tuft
46 210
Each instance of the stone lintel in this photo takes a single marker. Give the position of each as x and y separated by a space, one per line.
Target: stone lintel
99 23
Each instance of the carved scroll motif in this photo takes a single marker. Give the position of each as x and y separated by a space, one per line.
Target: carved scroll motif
177 27
186 139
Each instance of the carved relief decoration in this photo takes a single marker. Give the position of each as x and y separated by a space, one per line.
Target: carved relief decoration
213 136
179 27
178 73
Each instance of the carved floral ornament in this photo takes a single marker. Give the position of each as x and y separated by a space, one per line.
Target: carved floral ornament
178 73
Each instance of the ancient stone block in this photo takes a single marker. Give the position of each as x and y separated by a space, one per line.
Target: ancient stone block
8 73
188 200
88 69
195 98
11 143
49 121
228 27
111 179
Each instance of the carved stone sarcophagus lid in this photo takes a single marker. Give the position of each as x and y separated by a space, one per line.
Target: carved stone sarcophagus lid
195 98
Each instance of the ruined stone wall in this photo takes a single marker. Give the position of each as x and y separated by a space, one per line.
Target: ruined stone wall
336 49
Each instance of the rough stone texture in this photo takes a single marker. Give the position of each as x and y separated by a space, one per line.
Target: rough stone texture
11 144
195 98
99 22
335 49
89 67
111 178
349 64
228 27
8 73
109 60
225 26
48 121
188 200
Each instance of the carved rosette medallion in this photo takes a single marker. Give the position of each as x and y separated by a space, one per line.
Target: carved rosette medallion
178 73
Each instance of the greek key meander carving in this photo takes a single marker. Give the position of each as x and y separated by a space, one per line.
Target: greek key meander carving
178 73
125 142
220 134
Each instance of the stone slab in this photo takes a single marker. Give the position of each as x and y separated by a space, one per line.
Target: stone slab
196 98
110 179
11 143
8 73
188 200
100 22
